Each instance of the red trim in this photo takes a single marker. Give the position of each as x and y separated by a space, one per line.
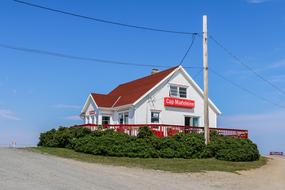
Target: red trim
92 112
162 130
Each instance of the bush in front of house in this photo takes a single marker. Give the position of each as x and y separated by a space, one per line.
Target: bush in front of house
147 145
62 137
47 139
106 143
233 149
145 132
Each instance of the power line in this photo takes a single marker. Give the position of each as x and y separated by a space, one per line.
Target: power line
144 65
103 20
247 66
185 55
75 57
188 50
245 89
198 73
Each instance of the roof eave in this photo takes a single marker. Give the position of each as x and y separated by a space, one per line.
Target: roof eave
89 96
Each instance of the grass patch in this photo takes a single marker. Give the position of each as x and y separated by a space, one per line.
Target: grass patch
173 165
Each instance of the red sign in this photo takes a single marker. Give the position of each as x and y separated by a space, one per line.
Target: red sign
92 112
179 102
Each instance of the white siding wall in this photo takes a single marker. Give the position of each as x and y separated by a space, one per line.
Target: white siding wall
173 115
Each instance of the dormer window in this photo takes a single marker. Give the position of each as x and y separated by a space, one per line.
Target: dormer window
178 91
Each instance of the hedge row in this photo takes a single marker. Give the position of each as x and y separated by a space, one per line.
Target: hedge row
146 145
62 137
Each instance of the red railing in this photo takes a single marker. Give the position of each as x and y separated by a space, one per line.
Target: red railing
164 130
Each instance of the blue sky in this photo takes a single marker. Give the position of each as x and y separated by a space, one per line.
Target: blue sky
39 92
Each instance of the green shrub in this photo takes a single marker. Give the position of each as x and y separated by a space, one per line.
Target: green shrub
47 139
233 149
145 132
107 143
147 145
62 137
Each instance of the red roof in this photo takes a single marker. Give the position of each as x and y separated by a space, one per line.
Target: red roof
130 92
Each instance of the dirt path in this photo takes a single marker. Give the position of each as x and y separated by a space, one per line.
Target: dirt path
270 176
25 170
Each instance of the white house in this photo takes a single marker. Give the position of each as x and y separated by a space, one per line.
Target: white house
166 97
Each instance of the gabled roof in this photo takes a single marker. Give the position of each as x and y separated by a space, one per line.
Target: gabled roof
130 92
104 100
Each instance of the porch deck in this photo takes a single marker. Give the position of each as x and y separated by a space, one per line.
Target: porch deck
164 130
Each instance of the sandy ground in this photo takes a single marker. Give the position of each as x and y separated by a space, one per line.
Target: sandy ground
20 169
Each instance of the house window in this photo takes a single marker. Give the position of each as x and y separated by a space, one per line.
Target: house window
195 121
176 91
124 118
173 91
154 117
183 92
191 121
187 121
105 120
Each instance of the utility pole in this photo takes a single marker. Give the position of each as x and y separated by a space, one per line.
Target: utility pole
205 65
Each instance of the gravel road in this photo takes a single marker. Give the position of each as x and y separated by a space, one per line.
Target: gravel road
24 170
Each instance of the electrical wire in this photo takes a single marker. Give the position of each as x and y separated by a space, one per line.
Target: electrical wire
246 90
198 73
75 57
68 56
103 20
247 66
188 50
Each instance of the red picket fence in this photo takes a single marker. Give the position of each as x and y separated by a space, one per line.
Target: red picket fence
164 130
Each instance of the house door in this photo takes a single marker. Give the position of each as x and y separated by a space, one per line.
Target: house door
187 120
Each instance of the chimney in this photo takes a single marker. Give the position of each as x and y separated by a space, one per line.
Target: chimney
154 71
